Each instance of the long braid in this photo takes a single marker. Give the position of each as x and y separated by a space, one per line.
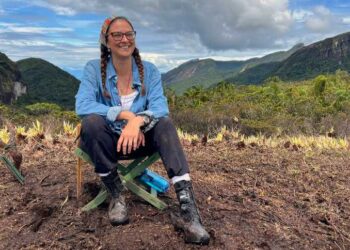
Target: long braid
139 64
104 60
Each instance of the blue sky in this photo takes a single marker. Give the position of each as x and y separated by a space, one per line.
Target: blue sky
169 32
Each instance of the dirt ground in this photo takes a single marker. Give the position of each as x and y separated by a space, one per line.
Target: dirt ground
250 197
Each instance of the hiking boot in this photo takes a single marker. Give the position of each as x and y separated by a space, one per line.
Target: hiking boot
117 210
189 220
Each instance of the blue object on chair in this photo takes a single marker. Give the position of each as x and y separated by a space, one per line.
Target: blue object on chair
153 180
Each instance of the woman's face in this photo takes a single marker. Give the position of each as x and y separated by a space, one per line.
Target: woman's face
123 47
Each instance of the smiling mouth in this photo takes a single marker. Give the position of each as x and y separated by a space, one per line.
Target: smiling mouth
124 45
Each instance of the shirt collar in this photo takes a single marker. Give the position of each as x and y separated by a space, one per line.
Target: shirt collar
111 73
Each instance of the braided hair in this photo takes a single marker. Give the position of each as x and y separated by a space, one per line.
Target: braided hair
139 64
104 59
106 54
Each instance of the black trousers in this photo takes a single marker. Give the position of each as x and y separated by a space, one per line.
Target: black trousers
100 143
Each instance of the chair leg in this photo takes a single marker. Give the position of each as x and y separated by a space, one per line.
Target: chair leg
141 192
127 174
79 177
99 199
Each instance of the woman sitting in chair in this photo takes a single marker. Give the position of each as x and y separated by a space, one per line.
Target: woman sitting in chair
125 112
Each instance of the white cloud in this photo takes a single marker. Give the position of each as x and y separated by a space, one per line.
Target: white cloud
170 32
63 11
320 21
79 23
24 43
38 30
317 24
300 15
346 20
163 61
19 28
321 10
58 9
71 8
220 24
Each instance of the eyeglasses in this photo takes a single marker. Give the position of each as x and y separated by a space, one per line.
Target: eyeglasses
118 36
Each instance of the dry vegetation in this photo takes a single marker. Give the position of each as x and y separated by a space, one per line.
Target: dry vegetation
253 193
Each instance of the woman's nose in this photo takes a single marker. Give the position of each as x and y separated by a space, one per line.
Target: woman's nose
124 38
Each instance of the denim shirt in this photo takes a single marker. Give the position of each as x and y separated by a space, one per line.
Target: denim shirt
90 99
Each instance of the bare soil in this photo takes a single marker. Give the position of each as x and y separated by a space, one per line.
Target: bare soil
250 197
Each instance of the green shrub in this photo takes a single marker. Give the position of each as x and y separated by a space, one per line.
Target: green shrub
43 108
254 127
275 106
69 116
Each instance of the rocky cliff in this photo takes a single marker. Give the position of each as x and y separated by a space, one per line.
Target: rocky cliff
11 86
323 57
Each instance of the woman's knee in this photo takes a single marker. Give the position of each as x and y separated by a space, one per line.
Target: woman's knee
165 130
92 124
165 124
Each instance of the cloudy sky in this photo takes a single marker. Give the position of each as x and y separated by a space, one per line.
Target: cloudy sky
169 32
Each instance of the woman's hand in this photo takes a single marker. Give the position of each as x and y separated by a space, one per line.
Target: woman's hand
130 138
141 140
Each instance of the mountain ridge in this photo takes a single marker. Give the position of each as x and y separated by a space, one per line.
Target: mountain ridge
322 57
207 72
299 63
47 83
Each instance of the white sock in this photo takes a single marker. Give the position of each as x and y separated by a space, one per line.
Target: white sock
104 174
185 177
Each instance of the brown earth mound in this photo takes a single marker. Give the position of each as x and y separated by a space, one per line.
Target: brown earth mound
250 197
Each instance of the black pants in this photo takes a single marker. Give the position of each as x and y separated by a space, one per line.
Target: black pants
100 143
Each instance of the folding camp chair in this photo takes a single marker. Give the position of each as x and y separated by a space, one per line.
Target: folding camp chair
129 175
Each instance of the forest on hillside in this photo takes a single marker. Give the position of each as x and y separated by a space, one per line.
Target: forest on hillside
317 106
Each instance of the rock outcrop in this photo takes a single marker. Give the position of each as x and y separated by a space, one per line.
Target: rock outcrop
11 86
